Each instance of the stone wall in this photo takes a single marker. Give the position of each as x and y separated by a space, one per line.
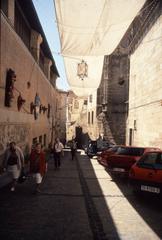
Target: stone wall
112 97
145 90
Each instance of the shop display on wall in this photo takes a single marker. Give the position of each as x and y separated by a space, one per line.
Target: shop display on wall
37 103
31 107
44 108
48 110
20 102
10 80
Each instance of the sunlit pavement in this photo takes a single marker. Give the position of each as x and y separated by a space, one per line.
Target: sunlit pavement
79 201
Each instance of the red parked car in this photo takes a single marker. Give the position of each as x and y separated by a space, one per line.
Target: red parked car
125 157
146 174
102 158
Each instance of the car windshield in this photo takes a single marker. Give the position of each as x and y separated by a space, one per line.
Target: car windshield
130 151
151 160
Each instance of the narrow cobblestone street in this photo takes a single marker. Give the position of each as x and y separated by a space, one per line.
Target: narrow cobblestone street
79 201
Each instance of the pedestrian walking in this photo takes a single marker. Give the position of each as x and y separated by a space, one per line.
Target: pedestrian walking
13 162
73 147
37 165
58 151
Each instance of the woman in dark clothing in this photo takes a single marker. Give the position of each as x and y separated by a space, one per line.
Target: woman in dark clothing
37 164
73 147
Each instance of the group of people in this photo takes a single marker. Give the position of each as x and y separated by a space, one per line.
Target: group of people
14 161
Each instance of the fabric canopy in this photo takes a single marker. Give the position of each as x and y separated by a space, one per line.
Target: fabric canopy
92 28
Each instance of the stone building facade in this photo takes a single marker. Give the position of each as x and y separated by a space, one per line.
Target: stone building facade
112 97
27 78
129 96
74 112
82 122
145 85
93 128
61 115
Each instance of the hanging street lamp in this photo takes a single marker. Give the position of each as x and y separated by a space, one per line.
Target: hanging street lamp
82 70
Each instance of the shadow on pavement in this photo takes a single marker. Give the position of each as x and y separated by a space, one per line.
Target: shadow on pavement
148 206
65 208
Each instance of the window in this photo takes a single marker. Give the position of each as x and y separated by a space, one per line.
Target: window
92 116
34 141
130 151
88 117
44 141
40 139
4 6
21 25
85 102
90 98
151 160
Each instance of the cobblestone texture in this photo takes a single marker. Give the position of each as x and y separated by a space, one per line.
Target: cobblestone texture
78 202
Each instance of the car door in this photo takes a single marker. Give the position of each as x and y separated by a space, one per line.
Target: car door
158 168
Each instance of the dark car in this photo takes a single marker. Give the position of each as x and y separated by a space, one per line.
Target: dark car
91 149
104 155
95 148
146 174
125 157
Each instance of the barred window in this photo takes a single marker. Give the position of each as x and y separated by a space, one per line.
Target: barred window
40 139
90 98
88 117
45 140
85 102
92 117
4 6
21 25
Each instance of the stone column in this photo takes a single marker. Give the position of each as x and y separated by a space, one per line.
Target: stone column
47 66
53 79
35 41
11 11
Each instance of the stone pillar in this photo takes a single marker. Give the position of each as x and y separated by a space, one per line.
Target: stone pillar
11 11
53 79
47 66
36 40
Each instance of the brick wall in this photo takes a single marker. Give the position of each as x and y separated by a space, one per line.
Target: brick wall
15 55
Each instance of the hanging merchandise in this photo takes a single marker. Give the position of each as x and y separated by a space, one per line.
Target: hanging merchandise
10 80
40 108
20 102
48 110
44 108
32 107
37 103
89 30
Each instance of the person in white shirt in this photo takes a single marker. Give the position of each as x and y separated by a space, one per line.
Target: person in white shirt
58 150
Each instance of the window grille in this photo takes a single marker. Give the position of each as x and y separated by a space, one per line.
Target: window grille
21 26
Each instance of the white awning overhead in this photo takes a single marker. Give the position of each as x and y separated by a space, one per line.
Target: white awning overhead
93 27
